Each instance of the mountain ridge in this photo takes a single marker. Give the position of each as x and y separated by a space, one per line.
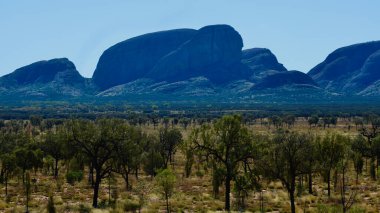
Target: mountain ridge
208 62
349 69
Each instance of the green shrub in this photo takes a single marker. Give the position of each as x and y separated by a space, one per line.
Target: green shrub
84 209
322 208
74 176
357 209
329 209
199 173
102 204
336 209
130 206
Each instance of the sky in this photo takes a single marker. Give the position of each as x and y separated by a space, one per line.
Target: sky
301 33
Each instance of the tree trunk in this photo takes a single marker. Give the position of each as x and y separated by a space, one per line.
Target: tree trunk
335 180
137 173
228 190
310 180
56 169
343 191
96 190
27 198
91 175
23 176
2 175
357 178
167 203
291 195
126 179
6 185
328 184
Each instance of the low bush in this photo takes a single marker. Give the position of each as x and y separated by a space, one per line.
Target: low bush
74 176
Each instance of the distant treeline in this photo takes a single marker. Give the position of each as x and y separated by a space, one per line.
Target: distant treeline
125 110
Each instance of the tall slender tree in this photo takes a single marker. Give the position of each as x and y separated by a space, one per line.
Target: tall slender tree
98 141
8 166
54 144
330 150
170 139
129 153
284 159
228 143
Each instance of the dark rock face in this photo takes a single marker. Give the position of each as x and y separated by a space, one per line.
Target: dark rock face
349 69
187 60
43 72
54 79
369 73
214 52
261 62
135 57
287 78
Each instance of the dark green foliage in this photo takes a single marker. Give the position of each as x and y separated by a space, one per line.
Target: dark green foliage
330 150
152 158
228 143
313 120
74 176
244 184
218 175
358 163
276 121
129 152
289 120
166 180
360 145
370 132
98 142
327 121
169 140
84 209
35 120
358 122
284 159
376 147
189 157
130 206
8 167
55 144
26 159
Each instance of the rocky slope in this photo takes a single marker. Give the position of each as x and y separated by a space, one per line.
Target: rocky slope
353 69
134 58
262 62
54 78
287 78
198 86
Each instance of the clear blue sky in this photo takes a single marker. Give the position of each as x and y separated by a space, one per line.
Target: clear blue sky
300 32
